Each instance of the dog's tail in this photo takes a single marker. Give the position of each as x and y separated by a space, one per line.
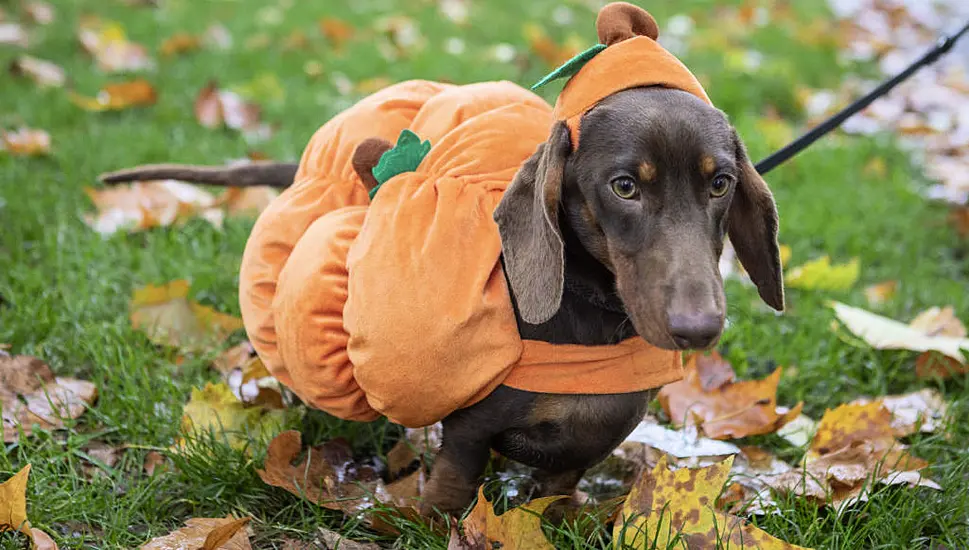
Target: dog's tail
273 174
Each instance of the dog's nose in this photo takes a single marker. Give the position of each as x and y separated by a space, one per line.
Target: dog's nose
694 331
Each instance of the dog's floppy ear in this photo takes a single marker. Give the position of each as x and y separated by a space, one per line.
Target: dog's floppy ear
752 227
531 242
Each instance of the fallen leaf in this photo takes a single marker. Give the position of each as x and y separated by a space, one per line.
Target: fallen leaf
30 394
884 333
418 444
683 444
920 411
933 364
45 74
517 529
729 410
853 443
398 37
327 476
180 43
218 36
337 31
937 321
13 503
820 274
39 12
152 461
25 142
166 315
42 541
100 456
234 358
799 431
143 205
215 107
198 533
247 201
12 34
959 216
119 96
107 42
552 53
665 504
214 409
328 539
880 293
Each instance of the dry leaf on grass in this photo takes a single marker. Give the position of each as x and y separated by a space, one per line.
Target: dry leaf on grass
398 36
418 444
326 539
25 142
215 107
880 293
517 529
720 407
854 444
664 504
248 378
99 456
12 34
143 205
45 74
42 541
923 410
214 409
247 201
39 12
108 43
552 53
180 43
13 503
168 317
337 31
226 533
799 431
119 96
820 274
30 394
153 460
933 330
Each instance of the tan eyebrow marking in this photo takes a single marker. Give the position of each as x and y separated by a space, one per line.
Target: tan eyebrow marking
647 172
707 165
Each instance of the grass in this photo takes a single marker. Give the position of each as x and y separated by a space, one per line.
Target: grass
65 289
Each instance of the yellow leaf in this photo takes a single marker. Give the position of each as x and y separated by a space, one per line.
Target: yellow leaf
517 529
884 333
785 253
820 274
215 408
168 318
116 97
13 503
666 506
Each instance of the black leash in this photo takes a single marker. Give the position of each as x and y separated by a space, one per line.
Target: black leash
944 45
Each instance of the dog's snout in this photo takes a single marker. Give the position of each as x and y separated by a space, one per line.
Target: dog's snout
695 330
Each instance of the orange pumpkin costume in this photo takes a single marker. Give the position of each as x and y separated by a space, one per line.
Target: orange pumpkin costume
398 306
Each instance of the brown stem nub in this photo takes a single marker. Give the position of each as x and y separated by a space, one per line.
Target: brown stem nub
620 21
273 174
366 156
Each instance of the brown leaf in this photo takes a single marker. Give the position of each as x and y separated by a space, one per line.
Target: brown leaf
713 372
143 205
337 31
328 540
39 12
100 453
117 97
25 142
44 73
197 533
547 49
733 409
42 540
107 42
247 201
152 460
959 216
180 43
923 410
417 443
166 315
327 476
31 394
234 358
937 321
215 107
517 529
933 364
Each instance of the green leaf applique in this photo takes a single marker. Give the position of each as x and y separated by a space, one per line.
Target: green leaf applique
571 66
406 156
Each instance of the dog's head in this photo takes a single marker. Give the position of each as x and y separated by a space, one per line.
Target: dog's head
657 180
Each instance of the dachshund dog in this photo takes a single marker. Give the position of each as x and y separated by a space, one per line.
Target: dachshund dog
618 237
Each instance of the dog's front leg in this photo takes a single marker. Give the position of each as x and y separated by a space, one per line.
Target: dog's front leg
457 469
552 483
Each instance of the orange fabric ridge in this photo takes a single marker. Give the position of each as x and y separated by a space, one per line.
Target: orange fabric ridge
399 306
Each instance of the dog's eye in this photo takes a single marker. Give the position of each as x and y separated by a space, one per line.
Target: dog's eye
625 188
720 186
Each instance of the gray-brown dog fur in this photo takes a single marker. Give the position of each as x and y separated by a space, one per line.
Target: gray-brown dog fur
586 267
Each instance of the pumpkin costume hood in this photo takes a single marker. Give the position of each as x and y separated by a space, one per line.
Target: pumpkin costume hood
394 302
